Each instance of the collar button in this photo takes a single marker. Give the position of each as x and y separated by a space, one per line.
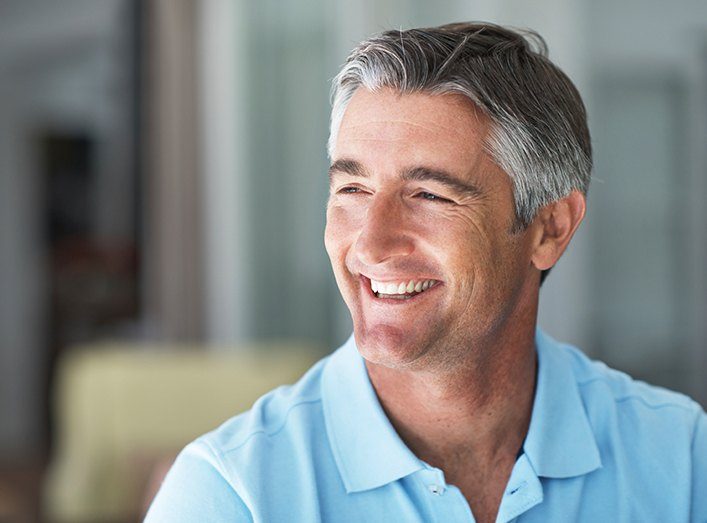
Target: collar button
435 489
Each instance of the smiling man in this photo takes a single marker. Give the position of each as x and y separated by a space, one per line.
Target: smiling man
460 164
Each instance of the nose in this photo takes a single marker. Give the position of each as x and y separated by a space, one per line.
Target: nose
383 234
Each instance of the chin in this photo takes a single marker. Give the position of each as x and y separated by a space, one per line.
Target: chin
388 345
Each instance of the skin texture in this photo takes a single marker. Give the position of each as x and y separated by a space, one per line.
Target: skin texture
453 367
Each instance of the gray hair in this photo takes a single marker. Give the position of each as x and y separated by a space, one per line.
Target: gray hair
539 133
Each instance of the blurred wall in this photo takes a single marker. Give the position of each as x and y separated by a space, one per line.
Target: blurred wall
648 104
62 71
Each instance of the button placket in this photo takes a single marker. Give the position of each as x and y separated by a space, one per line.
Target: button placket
445 501
523 492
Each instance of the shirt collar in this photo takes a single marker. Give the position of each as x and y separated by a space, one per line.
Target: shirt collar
367 449
369 453
560 441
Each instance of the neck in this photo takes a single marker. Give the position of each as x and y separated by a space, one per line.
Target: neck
475 414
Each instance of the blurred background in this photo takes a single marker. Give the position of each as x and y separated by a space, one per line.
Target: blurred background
162 197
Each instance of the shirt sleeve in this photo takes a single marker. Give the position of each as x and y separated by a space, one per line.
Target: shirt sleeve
195 490
699 470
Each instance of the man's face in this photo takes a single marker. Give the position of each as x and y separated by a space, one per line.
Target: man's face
415 199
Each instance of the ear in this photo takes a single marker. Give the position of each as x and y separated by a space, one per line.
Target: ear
557 223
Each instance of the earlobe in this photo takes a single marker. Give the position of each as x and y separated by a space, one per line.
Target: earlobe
557 224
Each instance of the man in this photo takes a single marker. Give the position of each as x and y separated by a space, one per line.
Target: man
460 163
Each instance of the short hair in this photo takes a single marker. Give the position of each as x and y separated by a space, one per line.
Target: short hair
538 135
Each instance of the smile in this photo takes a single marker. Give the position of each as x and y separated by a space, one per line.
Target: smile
401 290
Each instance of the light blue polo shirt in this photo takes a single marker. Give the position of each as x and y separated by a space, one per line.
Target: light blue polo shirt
600 447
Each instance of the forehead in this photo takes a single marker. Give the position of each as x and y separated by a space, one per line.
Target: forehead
419 126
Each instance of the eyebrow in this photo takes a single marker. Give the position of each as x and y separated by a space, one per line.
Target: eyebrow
346 166
418 173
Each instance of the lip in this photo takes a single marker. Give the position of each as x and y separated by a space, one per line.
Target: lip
397 278
365 282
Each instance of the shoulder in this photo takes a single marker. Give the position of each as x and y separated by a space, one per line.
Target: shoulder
196 488
598 383
644 431
632 418
282 436
214 477
281 410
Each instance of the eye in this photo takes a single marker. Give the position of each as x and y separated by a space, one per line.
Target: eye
432 197
349 190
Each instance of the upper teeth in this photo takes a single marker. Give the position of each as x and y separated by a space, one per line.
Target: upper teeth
401 287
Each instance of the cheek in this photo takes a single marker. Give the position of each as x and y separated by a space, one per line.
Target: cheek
331 243
340 228
476 255
463 241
